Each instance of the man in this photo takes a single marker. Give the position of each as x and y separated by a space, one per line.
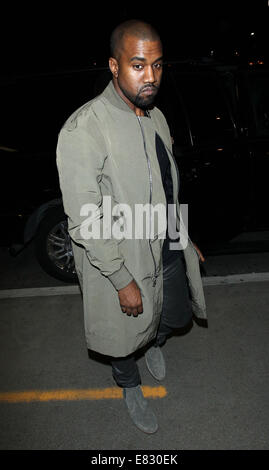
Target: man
135 289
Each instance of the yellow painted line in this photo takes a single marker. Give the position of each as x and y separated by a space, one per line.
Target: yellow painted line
70 395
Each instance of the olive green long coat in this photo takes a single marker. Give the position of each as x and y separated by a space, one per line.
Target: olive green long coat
104 149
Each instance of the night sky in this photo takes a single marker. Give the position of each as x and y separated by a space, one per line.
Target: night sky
44 38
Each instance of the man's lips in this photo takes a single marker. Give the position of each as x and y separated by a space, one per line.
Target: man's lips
149 90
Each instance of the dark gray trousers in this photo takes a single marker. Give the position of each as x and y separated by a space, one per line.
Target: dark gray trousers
176 313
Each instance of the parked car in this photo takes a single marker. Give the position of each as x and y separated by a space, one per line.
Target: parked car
34 107
218 117
219 121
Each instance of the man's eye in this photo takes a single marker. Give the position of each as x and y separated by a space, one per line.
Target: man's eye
158 66
138 67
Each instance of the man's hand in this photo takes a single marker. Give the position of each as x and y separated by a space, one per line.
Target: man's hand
130 299
201 257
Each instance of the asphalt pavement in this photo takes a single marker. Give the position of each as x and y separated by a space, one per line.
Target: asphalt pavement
54 394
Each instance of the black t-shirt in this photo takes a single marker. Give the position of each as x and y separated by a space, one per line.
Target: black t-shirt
164 163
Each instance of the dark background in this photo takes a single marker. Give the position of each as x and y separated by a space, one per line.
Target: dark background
45 37
50 65
218 384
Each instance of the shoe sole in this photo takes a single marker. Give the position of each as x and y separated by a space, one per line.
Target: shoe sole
142 429
147 432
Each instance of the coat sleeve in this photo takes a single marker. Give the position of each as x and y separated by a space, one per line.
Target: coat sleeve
81 156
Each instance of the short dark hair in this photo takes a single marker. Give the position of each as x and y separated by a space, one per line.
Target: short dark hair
137 28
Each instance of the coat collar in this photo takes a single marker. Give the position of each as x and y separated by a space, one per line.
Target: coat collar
116 100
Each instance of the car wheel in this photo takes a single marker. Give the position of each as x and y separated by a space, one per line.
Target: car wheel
53 246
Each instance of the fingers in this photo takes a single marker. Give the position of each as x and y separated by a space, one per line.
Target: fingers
201 257
135 311
200 254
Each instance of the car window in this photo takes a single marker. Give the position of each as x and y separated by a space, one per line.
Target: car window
207 109
259 95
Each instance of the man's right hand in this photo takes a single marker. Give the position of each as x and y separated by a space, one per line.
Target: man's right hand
130 299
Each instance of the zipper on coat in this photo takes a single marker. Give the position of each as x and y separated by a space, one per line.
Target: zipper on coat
154 277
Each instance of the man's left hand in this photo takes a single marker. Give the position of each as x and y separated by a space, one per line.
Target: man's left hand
200 254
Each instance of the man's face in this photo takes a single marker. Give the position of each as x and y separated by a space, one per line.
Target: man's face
139 71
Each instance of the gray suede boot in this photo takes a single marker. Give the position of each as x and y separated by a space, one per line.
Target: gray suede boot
139 410
155 362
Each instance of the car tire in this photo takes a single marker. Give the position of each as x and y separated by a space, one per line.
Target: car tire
53 246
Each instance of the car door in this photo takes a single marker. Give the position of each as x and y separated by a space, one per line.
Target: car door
256 125
214 178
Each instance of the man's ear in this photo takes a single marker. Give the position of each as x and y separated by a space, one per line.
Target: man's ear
114 66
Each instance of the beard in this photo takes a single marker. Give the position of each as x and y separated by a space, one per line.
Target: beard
140 101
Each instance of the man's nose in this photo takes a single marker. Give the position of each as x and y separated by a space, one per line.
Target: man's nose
149 76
